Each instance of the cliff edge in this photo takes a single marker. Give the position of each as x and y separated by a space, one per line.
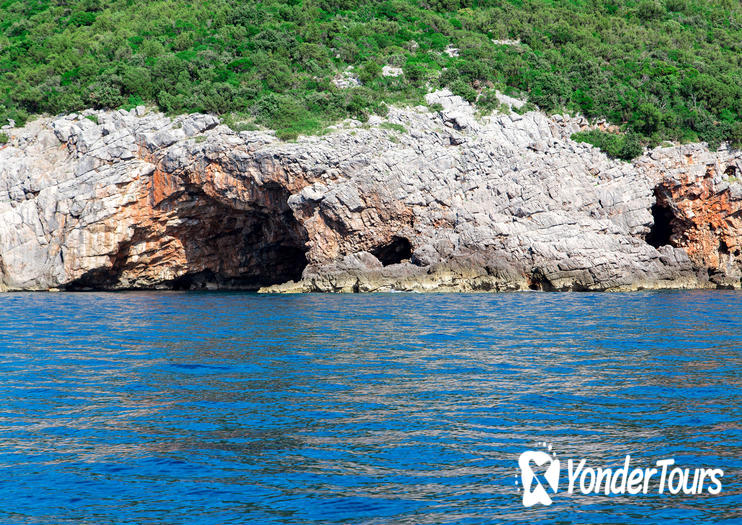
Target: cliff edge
420 200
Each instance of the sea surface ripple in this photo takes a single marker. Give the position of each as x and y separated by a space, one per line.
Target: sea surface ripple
360 409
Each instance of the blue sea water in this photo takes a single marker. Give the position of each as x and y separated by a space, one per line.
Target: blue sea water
361 409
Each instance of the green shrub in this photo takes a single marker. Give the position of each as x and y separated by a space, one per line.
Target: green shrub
82 19
133 101
104 94
525 108
488 102
395 127
464 90
735 137
650 9
369 72
239 123
414 73
137 81
4 138
306 126
621 146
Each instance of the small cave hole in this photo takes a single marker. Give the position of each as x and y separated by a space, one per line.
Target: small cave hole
397 250
661 231
194 281
723 247
537 280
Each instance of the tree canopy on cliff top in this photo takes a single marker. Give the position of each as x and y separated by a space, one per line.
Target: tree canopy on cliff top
663 69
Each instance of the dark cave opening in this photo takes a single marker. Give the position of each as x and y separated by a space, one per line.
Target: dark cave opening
219 247
395 251
661 231
244 250
723 248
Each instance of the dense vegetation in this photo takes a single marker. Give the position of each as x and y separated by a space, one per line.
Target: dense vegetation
663 69
624 146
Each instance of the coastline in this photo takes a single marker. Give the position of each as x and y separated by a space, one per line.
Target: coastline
423 200
446 280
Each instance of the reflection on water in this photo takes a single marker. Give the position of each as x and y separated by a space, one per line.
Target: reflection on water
238 408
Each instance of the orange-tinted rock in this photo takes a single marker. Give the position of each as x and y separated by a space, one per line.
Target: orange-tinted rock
706 220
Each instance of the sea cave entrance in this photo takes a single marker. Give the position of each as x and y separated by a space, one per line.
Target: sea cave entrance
660 234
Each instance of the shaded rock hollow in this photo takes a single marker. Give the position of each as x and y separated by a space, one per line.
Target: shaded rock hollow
453 202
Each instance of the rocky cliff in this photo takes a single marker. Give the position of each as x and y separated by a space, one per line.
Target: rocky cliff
419 200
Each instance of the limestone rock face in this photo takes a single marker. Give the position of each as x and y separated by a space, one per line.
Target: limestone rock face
699 208
440 200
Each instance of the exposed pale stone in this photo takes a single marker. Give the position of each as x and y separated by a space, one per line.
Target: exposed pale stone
506 42
346 79
391 71
454 202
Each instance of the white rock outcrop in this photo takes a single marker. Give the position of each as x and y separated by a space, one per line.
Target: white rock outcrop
438 200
